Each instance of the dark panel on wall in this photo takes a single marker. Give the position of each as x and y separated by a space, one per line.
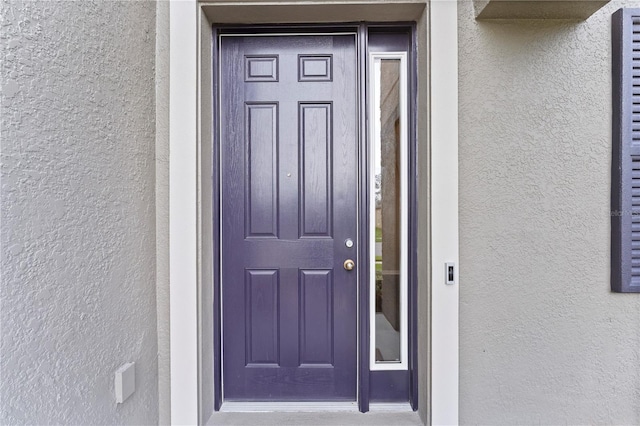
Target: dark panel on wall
625 171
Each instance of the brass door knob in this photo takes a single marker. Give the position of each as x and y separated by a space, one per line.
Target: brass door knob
349 264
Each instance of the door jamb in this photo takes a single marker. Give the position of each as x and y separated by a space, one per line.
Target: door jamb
363 290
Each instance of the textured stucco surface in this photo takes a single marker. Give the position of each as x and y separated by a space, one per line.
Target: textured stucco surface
77 212
542 339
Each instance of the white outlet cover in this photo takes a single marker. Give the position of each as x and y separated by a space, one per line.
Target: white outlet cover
125 382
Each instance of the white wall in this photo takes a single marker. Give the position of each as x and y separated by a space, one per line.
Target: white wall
542 338
77 212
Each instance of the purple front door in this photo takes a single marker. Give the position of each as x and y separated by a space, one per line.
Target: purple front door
289 186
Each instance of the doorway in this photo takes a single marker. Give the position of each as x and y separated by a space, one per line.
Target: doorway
191 373
317 259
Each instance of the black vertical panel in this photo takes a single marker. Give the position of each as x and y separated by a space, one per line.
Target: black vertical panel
363 161
413 223
217 330
625 190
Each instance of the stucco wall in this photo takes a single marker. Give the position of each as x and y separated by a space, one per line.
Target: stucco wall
542 338
77 213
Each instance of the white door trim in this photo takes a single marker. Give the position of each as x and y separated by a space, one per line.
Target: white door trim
183 130
444 210
184 33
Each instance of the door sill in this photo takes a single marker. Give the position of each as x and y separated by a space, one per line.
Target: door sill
325 418
389 407
289 407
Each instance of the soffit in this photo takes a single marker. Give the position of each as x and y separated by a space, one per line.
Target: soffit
537 9
260 12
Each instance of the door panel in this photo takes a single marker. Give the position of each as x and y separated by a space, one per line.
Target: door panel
289 187
261 218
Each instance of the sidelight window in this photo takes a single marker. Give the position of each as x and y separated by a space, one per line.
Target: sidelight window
388 210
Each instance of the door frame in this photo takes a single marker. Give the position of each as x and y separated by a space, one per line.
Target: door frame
190 247
281 32
370 380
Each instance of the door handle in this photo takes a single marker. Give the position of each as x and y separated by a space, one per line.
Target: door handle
349 264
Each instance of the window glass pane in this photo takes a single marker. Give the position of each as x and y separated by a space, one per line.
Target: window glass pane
387 168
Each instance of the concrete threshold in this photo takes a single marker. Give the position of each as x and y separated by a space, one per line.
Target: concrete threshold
317 418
